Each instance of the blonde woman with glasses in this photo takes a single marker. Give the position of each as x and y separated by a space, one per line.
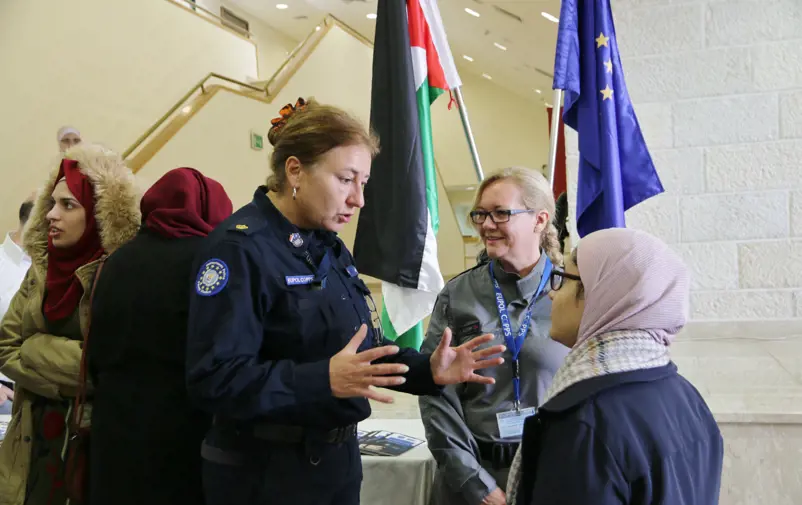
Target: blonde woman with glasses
473 430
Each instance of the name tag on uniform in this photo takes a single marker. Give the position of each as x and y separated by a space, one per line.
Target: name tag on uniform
299 280
511 423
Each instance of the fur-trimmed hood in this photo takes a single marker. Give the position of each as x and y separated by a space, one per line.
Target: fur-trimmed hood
116 201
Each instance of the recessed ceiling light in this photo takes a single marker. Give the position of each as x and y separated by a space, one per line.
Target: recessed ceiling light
499 46
472 12
281 6
538 91
372 15
486 76
467 57
187 109
550 17
317 28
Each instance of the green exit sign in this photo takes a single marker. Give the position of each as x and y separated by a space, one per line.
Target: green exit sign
257 141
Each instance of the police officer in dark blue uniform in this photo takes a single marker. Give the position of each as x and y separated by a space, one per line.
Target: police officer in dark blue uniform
283 348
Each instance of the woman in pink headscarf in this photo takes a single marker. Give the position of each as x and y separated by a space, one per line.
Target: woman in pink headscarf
619 425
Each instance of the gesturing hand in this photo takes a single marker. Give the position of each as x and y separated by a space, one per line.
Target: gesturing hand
452 365
496 497
352 374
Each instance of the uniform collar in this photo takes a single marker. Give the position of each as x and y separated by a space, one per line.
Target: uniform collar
285 229
583 390
14 252
526 286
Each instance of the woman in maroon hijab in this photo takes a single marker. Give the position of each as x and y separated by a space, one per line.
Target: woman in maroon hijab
146 436
87 209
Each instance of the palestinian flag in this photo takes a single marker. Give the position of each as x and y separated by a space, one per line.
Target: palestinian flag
395 238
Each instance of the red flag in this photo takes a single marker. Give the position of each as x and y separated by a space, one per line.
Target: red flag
560 178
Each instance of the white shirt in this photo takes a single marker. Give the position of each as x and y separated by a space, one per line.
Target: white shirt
14 264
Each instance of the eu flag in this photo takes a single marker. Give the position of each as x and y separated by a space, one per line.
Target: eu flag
616 171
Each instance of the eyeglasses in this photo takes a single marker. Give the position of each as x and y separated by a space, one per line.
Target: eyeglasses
497 216
557 277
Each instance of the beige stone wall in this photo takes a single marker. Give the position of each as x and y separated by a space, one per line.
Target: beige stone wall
717 88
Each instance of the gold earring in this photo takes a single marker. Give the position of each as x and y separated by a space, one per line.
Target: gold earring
294 192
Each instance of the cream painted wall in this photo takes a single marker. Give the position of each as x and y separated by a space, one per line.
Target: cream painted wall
272 47
508 131
216 141
726 139
109 67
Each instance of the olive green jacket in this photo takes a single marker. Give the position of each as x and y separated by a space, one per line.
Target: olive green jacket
38 362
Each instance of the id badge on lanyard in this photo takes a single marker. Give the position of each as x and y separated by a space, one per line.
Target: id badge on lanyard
510 423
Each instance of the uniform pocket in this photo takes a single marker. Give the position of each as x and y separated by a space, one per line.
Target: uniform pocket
360 285
313 318
468 330
308 309
364 309
305 296
362 301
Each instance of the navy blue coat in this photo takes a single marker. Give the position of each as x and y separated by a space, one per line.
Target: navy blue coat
637 438
263 324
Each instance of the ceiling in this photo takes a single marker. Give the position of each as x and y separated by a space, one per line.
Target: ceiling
523 67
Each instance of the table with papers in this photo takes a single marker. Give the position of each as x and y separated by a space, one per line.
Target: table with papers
399 480
388 480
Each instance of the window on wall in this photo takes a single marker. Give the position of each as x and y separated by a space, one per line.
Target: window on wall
234 22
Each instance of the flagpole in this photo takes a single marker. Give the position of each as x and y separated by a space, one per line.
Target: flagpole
466 125
554 137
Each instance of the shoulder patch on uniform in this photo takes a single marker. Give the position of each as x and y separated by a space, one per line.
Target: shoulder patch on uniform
247 225
212 278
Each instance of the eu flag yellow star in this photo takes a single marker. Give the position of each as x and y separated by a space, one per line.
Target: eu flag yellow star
607 93
608 66
601 40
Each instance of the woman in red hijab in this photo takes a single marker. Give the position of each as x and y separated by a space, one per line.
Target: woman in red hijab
87 209
146 436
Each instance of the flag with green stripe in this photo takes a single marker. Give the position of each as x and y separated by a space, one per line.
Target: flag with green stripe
395 239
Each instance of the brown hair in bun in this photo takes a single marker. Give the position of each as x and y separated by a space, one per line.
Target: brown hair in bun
307 131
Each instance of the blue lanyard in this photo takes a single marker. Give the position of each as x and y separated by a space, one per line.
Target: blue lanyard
514 344
322 270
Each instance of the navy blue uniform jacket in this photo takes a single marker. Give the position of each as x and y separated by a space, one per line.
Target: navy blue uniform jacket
638 438
261 334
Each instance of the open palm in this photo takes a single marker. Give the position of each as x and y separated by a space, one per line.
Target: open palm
452 365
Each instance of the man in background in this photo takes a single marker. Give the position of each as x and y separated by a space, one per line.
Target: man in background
14 264
67 137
